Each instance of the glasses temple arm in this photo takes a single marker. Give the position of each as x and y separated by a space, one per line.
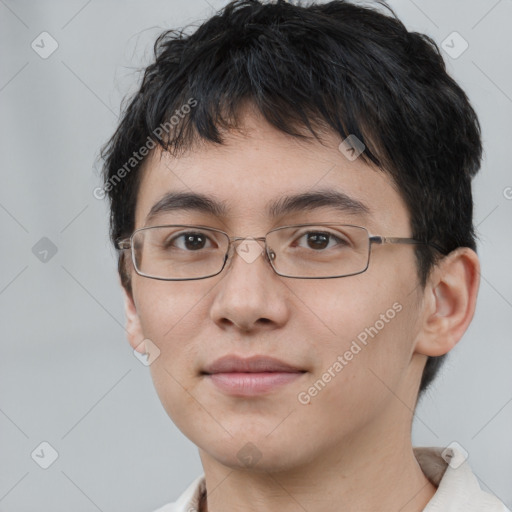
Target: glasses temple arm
396 240
125 243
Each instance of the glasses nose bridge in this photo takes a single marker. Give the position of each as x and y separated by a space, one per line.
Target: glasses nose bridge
234 239
237 238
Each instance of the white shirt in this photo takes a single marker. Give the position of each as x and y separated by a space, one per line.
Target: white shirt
458 489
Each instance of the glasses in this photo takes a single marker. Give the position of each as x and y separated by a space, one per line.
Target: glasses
304 251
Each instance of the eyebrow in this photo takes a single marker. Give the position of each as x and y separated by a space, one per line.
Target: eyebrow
307 201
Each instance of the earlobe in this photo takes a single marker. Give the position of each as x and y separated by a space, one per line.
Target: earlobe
450 301
133 325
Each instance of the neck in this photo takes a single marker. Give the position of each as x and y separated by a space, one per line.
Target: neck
353 477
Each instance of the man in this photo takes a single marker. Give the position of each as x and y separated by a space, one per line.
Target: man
291 199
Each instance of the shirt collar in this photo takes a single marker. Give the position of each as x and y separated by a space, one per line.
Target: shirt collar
457 486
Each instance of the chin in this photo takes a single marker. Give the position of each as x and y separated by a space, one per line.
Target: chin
252 449
251 457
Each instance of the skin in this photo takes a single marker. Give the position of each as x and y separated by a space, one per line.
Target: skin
350 447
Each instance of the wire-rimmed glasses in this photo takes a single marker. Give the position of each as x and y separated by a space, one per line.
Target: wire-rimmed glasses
182 252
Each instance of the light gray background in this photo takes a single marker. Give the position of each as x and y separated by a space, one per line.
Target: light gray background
68 375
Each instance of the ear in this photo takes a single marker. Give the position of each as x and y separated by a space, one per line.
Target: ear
133 325
449 302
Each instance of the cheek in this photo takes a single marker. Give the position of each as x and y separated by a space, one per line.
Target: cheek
169 311
365 345
172 319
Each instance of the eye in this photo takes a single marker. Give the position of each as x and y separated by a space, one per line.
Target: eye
319 240
188 241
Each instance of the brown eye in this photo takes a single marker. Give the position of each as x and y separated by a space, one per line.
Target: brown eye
319 240
188 241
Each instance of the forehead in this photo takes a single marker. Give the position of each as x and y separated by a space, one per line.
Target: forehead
254 178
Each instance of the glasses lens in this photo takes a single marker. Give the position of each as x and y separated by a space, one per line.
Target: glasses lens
179 252
319 251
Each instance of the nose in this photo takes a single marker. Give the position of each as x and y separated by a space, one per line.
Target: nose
250 295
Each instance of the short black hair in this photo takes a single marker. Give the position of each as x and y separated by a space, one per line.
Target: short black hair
334 66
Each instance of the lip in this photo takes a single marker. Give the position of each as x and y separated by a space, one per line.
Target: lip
254 364
250 376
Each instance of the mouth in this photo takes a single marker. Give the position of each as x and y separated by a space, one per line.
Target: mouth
250 376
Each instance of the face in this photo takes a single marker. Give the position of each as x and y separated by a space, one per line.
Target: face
350 339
